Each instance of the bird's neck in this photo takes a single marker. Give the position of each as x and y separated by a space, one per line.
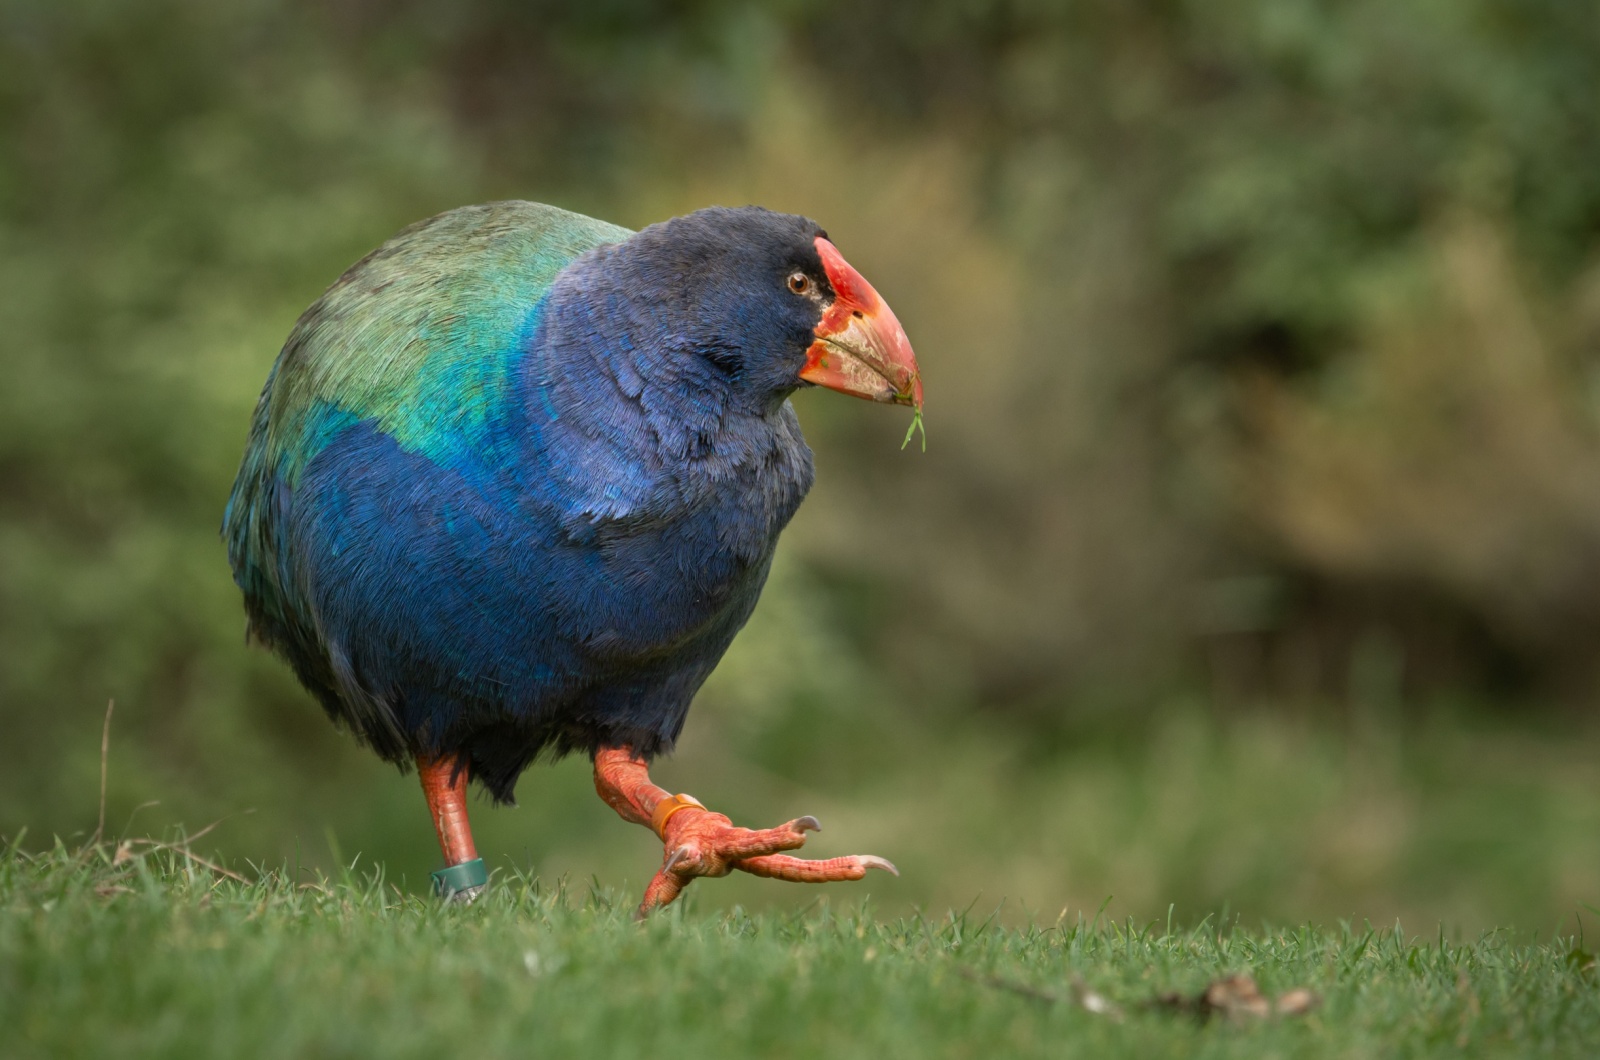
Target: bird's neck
627 418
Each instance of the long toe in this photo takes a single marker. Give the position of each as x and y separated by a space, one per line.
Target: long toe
800 870
663 888
736 844
711 842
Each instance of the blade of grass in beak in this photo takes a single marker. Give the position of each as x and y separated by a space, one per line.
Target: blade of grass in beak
916 425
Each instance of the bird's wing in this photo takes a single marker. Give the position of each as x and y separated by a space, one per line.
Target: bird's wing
417 337
418 334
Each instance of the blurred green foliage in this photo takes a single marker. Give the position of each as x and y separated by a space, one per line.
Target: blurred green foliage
1262 341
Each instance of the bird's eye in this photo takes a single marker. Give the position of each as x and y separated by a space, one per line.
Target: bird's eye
799 283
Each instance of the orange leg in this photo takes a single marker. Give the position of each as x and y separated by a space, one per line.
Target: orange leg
699 842
444 783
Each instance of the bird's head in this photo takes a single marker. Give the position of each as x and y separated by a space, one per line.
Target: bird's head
771 302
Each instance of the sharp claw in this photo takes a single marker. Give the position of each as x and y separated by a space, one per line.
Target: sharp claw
678 854
872 861
808 823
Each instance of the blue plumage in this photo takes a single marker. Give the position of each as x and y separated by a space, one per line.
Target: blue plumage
516 480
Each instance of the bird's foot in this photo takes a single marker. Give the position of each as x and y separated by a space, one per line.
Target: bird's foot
698 842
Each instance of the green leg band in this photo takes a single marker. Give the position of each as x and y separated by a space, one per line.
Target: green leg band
467 876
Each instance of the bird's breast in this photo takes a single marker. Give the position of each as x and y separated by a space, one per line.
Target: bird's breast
654 586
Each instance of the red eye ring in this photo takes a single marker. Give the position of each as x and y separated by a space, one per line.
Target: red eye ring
799 283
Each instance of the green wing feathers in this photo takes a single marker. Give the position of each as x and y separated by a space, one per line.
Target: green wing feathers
418 336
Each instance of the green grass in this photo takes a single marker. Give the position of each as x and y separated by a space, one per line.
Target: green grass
154 955
1466 822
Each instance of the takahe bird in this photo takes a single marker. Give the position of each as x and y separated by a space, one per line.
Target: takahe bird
515 482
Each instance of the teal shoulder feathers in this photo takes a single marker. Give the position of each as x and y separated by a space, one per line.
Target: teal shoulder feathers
417 335
416 339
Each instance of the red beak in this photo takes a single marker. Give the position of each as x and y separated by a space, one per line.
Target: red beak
861 349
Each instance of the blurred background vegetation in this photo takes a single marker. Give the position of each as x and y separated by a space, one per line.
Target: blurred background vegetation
1254 561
